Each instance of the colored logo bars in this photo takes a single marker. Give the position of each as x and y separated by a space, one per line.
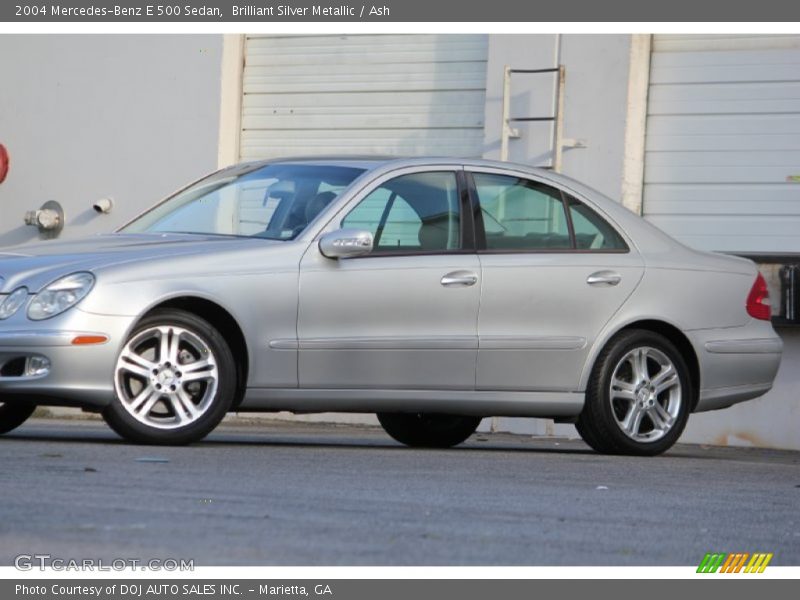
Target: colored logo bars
734 562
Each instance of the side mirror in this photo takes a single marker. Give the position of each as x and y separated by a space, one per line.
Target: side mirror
344 243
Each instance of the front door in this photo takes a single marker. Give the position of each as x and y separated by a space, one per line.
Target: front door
405 316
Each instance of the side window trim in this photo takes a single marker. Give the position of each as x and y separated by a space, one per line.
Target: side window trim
470 212
476 211
384 217
566 200
573 240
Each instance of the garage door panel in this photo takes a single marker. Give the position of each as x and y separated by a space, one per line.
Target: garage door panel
733 73
744 98
304 136
654 174
390 94
726 159
333 78
727 42
335 56
721 107
734 58
723 141
399 119
759 124
757 225
722 193
439 142
294 47
676 205
322 102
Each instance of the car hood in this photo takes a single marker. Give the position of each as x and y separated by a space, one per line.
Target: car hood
36 265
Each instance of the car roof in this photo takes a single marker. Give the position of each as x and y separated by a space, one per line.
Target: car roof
372 162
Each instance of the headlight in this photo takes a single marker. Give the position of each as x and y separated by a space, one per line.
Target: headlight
60 295
13 302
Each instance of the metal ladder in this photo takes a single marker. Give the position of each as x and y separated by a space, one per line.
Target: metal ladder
509 132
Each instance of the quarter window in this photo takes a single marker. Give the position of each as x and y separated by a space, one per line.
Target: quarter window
591 231
412 213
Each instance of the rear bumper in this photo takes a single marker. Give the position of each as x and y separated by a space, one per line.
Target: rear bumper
736 363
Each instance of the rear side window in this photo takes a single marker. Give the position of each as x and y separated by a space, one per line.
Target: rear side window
521 215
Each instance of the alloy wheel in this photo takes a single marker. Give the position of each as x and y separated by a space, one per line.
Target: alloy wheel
645 394
166 377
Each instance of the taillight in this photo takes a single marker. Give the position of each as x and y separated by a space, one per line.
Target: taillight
758 305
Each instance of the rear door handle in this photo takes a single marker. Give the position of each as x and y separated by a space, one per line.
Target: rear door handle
604 278
459 279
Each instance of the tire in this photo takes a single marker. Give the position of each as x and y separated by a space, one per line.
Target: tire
426 430
639 396
14 415
175 380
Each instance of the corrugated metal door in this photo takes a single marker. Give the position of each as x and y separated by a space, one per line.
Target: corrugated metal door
364 94
722 165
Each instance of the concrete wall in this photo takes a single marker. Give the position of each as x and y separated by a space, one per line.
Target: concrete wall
87 116
595 102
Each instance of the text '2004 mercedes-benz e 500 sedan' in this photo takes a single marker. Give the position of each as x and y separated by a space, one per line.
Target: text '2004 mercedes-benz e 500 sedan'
431 292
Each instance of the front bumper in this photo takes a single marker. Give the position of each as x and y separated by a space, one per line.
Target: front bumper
736 363
79 375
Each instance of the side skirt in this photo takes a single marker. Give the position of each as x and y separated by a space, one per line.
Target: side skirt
478 403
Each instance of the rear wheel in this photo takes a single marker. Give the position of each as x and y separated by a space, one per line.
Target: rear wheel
426 430
639 396
175 380
14 415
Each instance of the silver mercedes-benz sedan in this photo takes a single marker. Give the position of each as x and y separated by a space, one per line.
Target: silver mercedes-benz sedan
431 292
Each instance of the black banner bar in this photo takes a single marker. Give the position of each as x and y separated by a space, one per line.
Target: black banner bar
441 11
730 588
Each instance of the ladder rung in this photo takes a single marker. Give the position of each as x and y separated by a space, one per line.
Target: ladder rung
532 119
533 71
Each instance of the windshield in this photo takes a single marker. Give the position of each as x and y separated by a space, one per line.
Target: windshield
274 202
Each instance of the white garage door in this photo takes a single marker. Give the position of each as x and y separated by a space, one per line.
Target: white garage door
367 94
722 166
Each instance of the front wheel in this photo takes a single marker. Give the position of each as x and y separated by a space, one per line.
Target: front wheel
175 380
426 430
14 415
639 396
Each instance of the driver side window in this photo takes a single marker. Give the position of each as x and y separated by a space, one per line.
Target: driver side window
411 213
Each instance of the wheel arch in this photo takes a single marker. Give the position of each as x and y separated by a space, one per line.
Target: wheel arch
668 330
227 326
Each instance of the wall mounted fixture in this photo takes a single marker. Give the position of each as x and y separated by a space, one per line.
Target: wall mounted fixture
103 206
49 219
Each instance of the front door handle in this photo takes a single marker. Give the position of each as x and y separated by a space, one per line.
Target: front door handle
604 278
459 279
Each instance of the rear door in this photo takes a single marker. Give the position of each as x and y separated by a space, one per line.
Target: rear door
554 272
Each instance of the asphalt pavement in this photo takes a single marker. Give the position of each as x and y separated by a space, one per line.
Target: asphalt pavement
274 493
